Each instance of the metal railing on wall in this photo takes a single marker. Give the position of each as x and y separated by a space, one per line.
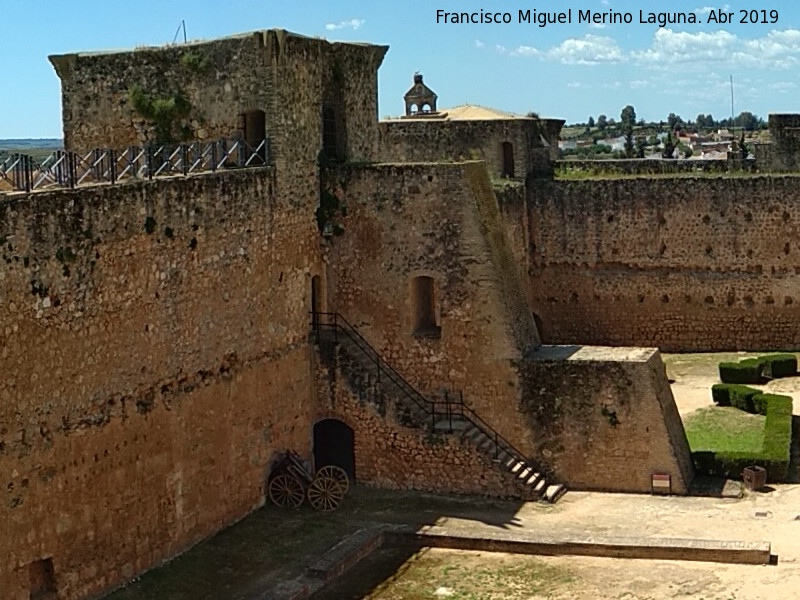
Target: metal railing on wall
66 169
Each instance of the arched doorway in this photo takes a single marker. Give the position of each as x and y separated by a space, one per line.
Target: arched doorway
334 444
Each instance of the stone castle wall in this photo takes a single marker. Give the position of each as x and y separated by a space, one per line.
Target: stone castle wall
636 166
156 361
391 456
402 221
782 153
433 140
285 75
678 263
420 220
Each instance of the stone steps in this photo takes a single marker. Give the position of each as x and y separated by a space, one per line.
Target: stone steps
531 481
377 387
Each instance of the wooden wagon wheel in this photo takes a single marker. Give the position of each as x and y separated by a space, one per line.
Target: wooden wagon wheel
325 493
338 473
285 490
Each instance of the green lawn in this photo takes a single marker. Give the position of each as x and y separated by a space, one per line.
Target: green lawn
724 429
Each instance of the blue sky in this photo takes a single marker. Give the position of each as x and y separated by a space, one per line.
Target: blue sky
568 70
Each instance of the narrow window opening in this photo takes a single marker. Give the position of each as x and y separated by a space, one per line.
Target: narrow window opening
42 580
254 132
423 303
508 160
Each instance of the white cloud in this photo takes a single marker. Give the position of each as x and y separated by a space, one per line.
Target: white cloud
639 84
777 49
677 50
703 11
351 24
479 44
684 47
526 51
782 86
576 85
588 50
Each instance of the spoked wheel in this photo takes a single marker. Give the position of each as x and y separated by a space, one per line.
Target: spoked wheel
338 473
285 490
325 493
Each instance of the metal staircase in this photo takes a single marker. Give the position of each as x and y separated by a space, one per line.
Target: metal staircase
370 374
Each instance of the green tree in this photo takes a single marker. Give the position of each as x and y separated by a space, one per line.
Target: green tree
669 146
602 122
628 117
628 120
743 148
641 143
674 121
590 122
747 120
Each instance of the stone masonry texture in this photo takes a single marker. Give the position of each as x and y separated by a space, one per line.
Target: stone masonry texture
684 264
156 349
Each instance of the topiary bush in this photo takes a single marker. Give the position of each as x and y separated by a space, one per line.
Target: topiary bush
756 370
748 370
774 454
779 365
734 394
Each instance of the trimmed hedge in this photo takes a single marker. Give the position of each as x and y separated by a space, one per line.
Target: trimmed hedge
779 365
734 394
754 370
748 370
774 454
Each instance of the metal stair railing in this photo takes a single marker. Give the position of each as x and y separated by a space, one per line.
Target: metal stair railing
447 408
338 324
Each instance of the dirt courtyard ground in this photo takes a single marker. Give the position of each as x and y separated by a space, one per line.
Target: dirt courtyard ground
247 561
773 516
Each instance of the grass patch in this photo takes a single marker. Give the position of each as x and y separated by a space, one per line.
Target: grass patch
473 576
724 429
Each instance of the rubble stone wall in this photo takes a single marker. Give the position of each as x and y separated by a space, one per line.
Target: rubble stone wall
155 361
432 140
391 456
684 264
405 221
283 74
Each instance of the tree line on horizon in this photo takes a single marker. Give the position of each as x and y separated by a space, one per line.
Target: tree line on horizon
639 134
744 120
